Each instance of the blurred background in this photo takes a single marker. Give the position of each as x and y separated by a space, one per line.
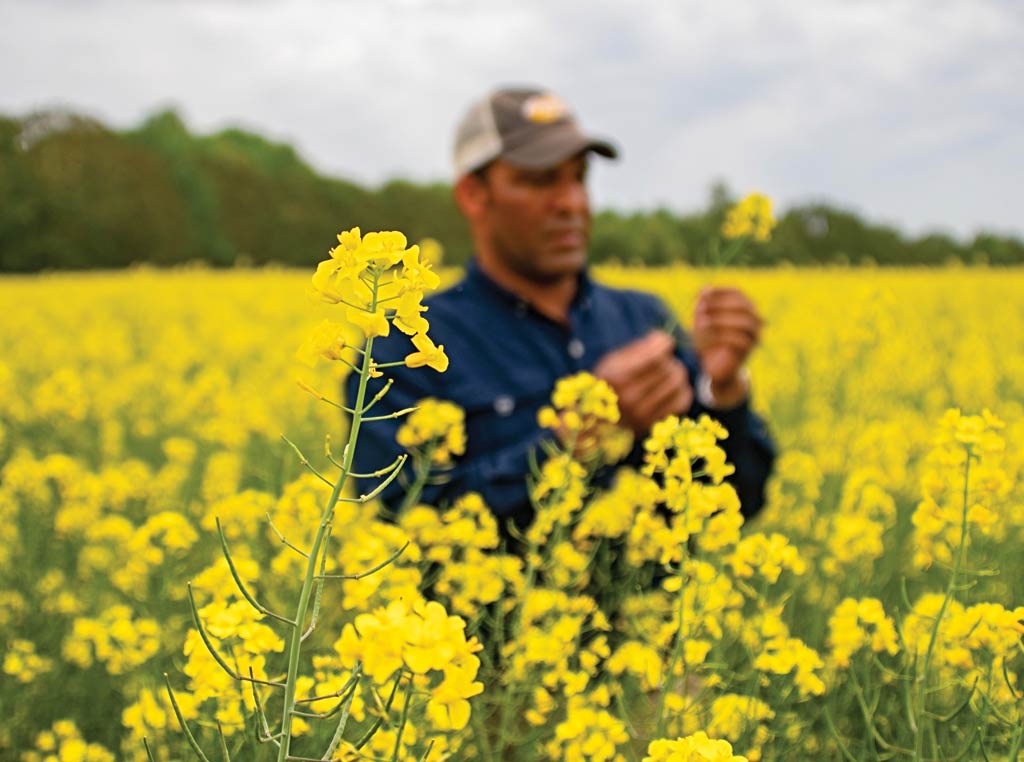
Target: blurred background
250 132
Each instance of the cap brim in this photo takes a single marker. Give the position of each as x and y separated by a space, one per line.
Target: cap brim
555 146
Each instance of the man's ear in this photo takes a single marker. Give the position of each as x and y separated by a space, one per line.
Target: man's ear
470 193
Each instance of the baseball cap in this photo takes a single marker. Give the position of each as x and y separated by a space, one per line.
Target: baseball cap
527 127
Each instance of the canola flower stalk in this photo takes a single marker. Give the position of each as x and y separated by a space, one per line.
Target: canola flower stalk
678 646
317 547
357 261
919 717
554 492
750 219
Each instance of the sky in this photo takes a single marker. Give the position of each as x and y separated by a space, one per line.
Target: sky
909 112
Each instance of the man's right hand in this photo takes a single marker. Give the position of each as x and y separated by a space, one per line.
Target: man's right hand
650 381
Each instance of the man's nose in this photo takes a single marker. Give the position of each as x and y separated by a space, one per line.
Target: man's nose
571 197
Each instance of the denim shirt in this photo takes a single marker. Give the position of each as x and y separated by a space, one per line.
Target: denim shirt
505 358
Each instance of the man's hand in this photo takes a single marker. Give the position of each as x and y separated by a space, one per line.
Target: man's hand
726 328
650 381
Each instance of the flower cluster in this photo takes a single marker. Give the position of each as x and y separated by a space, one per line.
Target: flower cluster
151 716
463 541
421 639
436 427
692 467
694 748
548 643
966 458
116 639
242 640
732 716
783 656
64 743
588 732
559 493
584 413
360 275
858 623
766 555
675 443
23 663
750 218
972 644
326 342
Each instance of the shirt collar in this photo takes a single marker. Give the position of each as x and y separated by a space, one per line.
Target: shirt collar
478 279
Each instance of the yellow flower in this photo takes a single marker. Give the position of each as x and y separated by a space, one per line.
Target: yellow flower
336 279
66 744
783 656
432 638
589 732
384 249
22 662
408 318
427 354
448 707
327 341
638 659
417 273
849 629
751 217
732 715
371 322
584 412
767 555
694 748
436 423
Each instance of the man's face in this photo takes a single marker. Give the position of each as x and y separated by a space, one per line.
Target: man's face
536 222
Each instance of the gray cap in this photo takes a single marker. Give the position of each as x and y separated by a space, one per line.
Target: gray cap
527 127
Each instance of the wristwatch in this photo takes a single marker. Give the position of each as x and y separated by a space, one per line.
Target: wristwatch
705 396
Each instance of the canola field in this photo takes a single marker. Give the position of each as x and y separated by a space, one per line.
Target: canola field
873 611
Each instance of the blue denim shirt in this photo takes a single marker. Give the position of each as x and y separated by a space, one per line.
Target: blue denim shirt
505 358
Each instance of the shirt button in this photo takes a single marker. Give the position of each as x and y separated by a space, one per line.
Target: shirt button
504 405
576 349
521 308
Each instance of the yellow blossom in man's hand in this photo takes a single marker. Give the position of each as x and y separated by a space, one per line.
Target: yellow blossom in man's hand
751 217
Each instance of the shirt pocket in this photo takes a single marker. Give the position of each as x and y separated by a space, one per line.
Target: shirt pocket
500 417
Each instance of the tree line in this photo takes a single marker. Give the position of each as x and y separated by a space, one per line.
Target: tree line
75 194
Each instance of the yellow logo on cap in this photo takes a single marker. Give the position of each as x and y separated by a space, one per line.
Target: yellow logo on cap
545 108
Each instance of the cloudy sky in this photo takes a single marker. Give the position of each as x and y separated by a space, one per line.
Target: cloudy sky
909 111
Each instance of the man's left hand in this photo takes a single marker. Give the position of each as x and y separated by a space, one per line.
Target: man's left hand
726 328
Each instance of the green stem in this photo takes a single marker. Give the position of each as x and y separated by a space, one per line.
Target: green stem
677 649
1015 742
677 653
405 719
295 639
873 736
922 678
509 705
412 496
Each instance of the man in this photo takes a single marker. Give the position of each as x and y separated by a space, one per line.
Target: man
527 313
